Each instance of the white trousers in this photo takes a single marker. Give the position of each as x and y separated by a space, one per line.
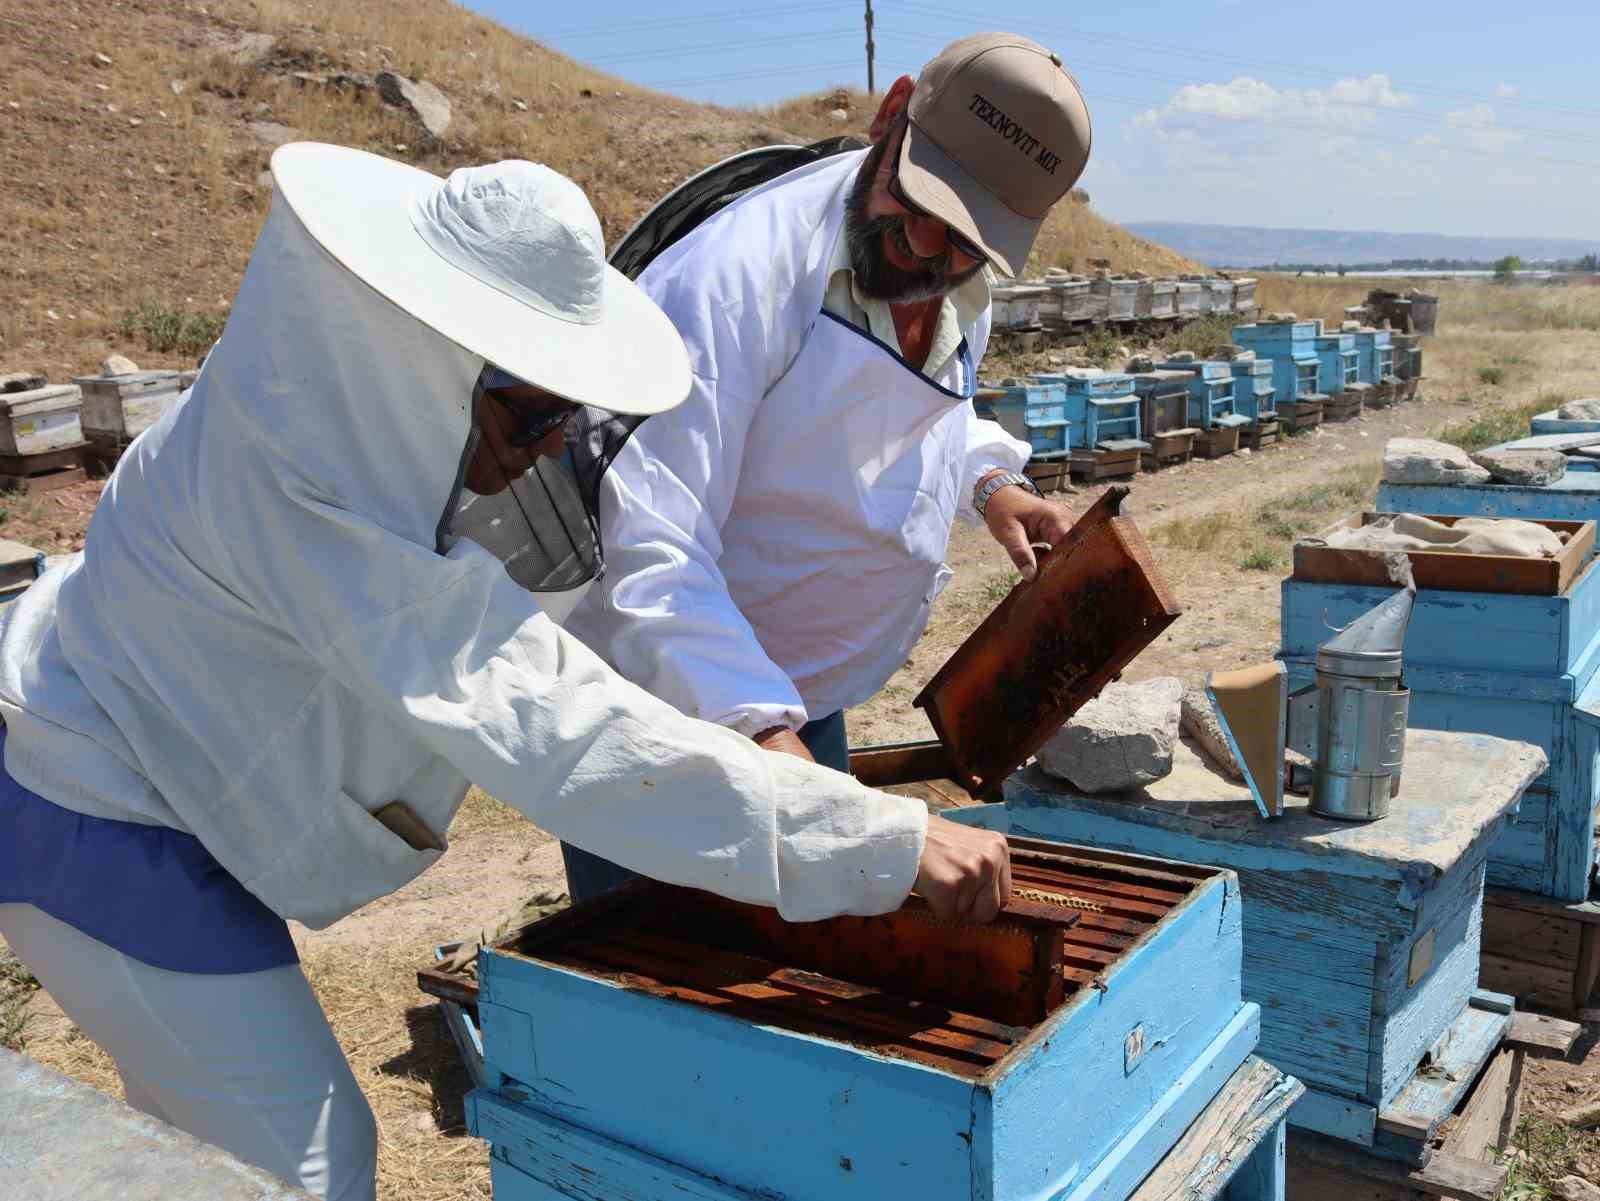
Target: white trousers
245 1062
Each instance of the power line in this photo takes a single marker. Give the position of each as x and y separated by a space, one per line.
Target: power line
809 67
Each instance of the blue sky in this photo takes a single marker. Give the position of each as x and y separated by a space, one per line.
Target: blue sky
1462 118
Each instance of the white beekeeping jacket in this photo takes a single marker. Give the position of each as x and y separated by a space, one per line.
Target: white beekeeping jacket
262 646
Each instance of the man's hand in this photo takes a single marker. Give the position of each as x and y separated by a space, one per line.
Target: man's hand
1017 519
785 741
965 874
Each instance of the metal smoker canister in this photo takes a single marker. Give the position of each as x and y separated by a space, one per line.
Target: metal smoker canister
1352 721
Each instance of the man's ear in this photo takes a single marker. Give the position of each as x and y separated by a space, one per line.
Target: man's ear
891 106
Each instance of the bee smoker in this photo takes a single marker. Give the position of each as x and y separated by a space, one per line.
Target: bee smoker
1350 722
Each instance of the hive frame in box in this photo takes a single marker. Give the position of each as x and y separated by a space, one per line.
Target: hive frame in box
733 1104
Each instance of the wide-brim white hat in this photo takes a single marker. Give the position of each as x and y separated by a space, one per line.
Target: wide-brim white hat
539 304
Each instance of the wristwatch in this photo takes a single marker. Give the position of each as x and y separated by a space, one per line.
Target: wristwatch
982 493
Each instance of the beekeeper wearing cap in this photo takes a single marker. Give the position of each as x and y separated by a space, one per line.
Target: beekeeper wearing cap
317 600
776 543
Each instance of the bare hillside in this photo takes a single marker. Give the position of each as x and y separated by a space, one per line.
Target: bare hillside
134 135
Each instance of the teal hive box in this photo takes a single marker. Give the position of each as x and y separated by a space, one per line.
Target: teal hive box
1375 365
1033 412
1495 663
1574 497
1291 349
1340 363
1210 392
1099 408
1552 422
1254 397
623 1063
1361 940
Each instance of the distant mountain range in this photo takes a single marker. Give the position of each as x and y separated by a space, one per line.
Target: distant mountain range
1256 246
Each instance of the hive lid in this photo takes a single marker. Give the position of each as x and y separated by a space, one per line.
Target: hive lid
46 399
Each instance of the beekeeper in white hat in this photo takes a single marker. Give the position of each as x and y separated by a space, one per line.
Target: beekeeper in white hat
315 603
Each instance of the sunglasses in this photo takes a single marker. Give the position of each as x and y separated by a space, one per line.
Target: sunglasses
537 425
957 241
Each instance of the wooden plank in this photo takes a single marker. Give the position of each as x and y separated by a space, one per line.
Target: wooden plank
1407 1124
48 482
1530 983
1536 1032
899 762
1489 1117
1584 912
1245 1114
1447 571
1320 1169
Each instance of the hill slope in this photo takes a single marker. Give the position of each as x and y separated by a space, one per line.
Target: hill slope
134 135
1256 246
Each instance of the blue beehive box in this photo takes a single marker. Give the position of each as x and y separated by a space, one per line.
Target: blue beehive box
1253 393
1033 412
1361 939
1514 665
1291 348
1574 497
637 1049
1551 422
1210 392
1375 365
1099 408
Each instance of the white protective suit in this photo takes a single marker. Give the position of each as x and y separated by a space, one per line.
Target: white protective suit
775 544
263 648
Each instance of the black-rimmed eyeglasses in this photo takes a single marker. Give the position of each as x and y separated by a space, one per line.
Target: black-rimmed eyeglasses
537 424
957 240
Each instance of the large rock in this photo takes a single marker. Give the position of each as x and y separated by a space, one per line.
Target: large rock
1424 461
118 364
1120 740
1587 409
426 102
1574 1188
1532 467
1200 723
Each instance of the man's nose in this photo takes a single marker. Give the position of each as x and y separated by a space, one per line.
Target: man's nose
927 236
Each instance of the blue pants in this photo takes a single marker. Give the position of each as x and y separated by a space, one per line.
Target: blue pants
589 875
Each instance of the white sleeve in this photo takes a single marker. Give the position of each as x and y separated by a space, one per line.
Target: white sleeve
463 658
662 615
989 448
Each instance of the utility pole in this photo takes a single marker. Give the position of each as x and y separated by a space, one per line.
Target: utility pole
872 85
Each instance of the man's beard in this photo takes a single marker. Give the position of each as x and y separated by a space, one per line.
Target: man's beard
875 275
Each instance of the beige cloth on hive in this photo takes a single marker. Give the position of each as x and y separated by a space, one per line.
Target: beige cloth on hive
1467 536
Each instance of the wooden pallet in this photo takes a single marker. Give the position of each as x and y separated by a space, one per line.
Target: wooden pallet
1104 464
42 472
1259 436
1049 475
1338 408
1297 416
1542 951
1463 1163
1168 449
1217 443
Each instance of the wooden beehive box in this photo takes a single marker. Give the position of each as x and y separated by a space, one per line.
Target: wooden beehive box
1518 666
1361 940
118 408
1316 561
40 420
659 1042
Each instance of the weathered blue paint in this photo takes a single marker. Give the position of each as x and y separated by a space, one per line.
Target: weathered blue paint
1034 412
1340 369
1100 408
1262 1178
1335 913
655 1087
1290 348
1374 355
1210 392
1574 497
1523 667
1551 422
1253 391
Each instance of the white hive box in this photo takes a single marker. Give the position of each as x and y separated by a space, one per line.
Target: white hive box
40 420
118 408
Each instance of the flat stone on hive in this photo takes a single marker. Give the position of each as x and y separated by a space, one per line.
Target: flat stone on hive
1534 468
1121 740
1424 461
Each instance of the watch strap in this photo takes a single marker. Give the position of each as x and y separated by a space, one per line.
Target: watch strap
1004 479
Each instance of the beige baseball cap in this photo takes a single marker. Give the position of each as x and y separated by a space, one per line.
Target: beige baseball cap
998 133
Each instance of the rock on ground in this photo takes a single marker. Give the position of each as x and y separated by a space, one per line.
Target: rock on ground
1574 1188
1533 467
118 364
426 102
1120 740
1424 461
1587 409
1200 723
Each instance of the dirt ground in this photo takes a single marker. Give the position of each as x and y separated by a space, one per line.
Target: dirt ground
1204 520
